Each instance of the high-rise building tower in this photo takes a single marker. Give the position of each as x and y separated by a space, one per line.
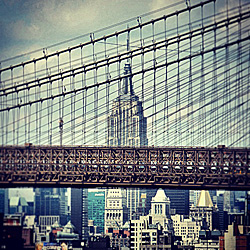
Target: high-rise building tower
115 209
179 200
205 211
4 196
51 201
79 211
229 200
127 126
96 208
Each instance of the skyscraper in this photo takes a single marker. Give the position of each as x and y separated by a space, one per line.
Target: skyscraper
179 200
229 200
79 211
127 126
205 210
115 209
4 201
96 208
51 201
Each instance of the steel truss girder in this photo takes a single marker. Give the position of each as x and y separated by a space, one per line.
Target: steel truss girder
199 168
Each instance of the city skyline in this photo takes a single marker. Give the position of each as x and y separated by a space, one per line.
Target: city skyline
145 103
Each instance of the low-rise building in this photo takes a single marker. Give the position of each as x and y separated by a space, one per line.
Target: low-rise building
187 228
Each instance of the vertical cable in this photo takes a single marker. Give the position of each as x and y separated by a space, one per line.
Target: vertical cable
48 102
25 107
154 136
36 105
96 108
118 65
165 130
107 92
178 94
72 112
202 87
2 106
226 82
215 105
60 90
141 121
241 109
247 122
40 115
238 80
13 111
95 94
85 107
28 114
83 97
190 91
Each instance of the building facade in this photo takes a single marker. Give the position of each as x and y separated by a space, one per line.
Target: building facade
205 211
187 228
4 196
179 199
127 126
96 208
155 229
115 209
51 201
79 211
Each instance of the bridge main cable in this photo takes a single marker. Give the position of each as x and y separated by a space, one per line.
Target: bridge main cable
92 41
124 56
121 77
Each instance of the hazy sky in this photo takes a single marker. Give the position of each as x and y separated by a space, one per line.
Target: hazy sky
27 25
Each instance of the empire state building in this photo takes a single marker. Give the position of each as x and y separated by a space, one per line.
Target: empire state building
127 126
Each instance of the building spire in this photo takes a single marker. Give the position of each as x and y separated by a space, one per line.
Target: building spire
127 86
205 199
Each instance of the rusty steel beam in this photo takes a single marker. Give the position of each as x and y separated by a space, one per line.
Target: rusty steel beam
99 166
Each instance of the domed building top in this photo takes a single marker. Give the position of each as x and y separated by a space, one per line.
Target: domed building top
160 196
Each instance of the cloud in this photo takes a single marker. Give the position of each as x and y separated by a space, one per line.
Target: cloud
61 19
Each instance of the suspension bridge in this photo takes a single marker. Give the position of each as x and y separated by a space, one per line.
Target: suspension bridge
163 101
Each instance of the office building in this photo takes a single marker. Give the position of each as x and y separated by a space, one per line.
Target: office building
187 228
229 200
79 211
4 196
127 126
219 202
205 211
18 205
51 201
46 221
96 208
115 209
153 229
179 199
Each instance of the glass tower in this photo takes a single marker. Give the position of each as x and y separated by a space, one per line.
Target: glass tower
96 208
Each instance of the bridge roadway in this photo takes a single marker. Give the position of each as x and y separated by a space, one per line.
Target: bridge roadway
100 166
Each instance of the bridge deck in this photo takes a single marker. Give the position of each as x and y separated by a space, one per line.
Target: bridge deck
90 166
